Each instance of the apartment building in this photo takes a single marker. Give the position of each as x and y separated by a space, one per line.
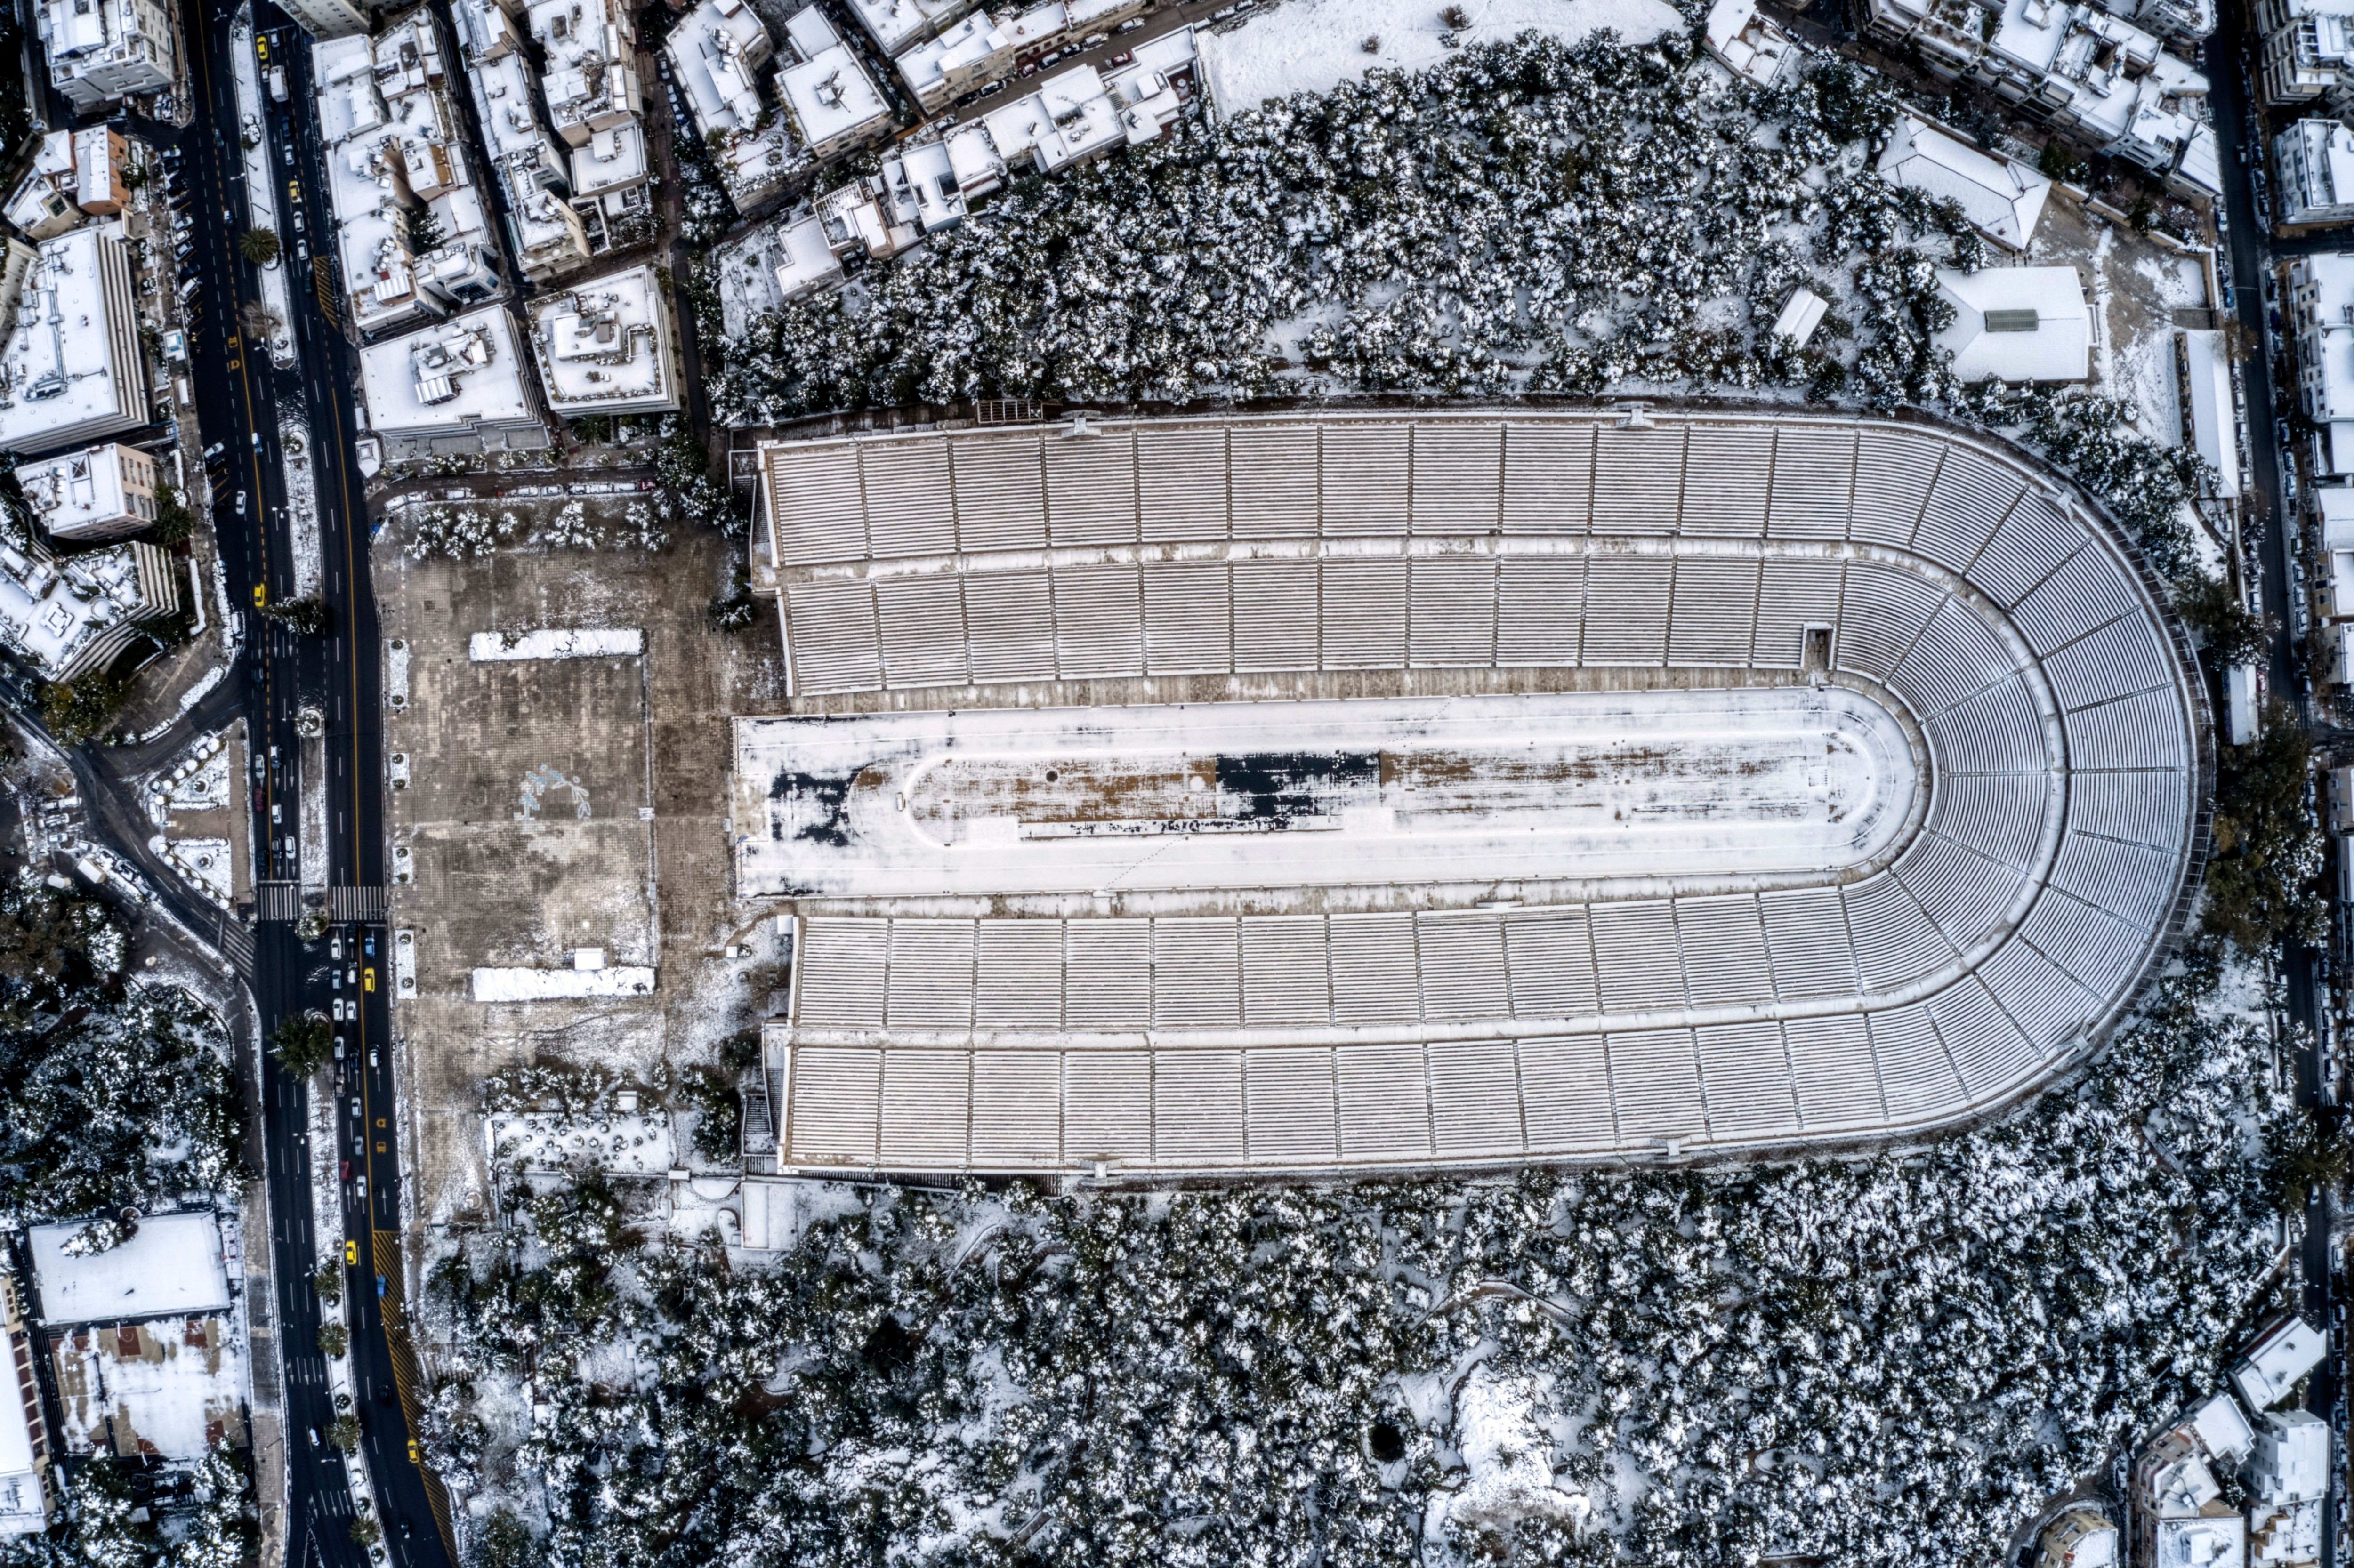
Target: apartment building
101 51
71 371
99 493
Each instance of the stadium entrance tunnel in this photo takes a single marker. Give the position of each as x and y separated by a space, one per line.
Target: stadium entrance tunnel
1202 797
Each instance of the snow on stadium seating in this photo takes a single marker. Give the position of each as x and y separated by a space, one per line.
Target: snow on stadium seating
1785 779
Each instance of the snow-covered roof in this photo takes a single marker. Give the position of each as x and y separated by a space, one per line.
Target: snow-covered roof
2315 159
171 1268
2290 1462
927 67
2335 504
1066 118
713 51
2017 324
2221 1430
169 1391
894 25
63 615
831 97
556 642
24 1505
2285 1535
2216 1541
2211 414
71 370
2002 198
561 985
74 493
611 159
1800 315
1750 45
385 121
811 32
591 47
810 263
604 346
2276 1362
451 378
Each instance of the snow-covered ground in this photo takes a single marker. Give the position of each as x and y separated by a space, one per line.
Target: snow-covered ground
1311 46
638 1144
565 642
1709 783
302 502
561 985
207 864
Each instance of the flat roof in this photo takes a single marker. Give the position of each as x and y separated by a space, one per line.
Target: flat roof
171 1267
2017 324
59 375
604 343
467 366
831 95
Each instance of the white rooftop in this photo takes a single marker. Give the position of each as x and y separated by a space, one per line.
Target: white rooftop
23 1507
604 346
2275 1363
831 95
171 1267
810 263
2211 416
447 378
2221 1430
896 23
2017 324
2220 1542
75 490
2290 1462
60 378
1750 45
2003 199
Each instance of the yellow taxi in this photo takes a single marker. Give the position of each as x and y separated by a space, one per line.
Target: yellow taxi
261 594
367 978
351 1251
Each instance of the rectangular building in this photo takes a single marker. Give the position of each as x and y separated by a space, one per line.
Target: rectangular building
2320 312
456 387
604 346
71 371
411 238
101 492
101 51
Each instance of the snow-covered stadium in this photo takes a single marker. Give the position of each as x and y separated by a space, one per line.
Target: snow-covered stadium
1255 793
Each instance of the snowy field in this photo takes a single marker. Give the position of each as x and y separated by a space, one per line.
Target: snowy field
1312 46
1728 783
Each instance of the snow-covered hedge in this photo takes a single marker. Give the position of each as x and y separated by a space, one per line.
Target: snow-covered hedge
1876 1364
1534 215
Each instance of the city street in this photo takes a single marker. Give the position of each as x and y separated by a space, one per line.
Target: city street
2231 61
241 395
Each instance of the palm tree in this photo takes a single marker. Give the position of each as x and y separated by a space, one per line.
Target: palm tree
259 246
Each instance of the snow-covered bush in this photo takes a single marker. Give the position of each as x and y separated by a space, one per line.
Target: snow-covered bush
459 532
1872 1362
567 530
